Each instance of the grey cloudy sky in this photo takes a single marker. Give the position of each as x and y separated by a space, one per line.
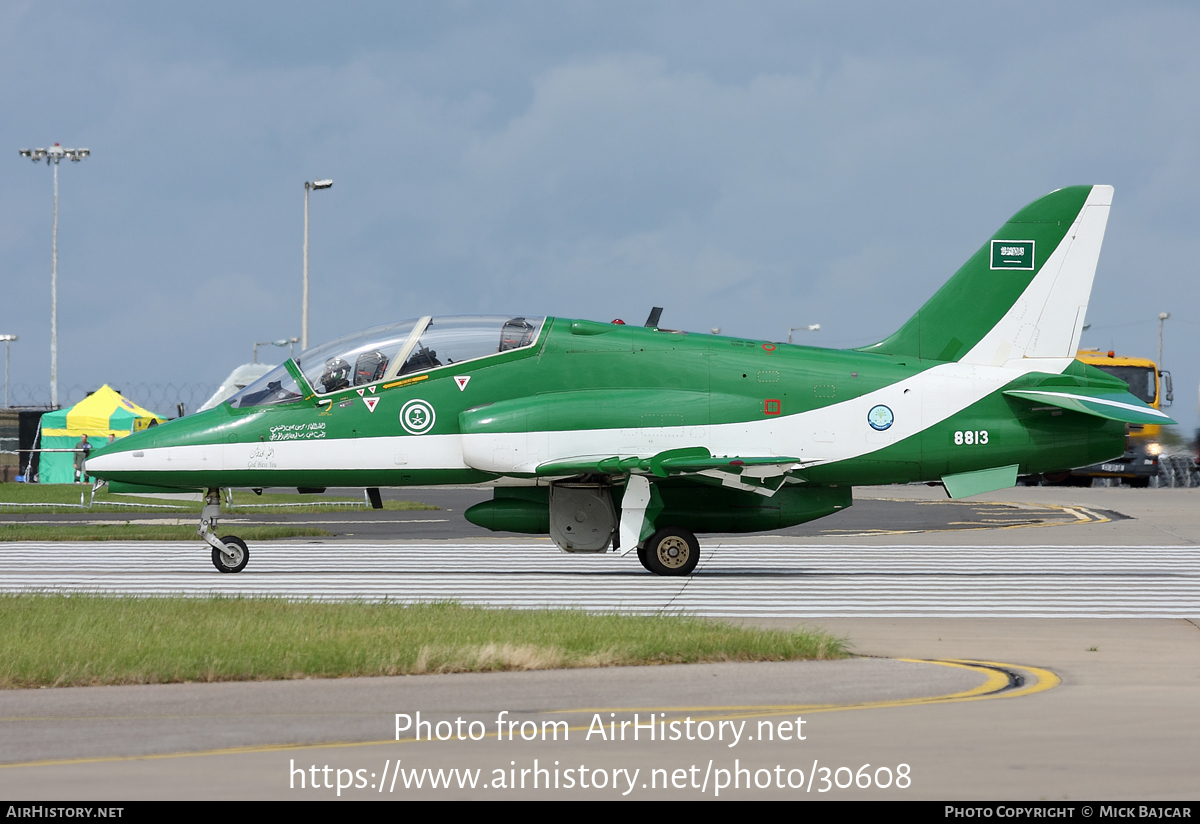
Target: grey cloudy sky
751 166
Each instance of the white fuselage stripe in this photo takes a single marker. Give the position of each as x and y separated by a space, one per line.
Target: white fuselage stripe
832 433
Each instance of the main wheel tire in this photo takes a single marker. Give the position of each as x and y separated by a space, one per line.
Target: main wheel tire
670 551
241 554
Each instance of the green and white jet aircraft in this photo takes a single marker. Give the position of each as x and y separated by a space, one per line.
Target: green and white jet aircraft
612 436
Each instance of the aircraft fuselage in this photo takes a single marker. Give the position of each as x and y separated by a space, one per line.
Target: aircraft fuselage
592 389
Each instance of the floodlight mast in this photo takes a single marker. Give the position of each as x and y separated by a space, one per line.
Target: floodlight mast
1162 317
8 339
316 184
54 154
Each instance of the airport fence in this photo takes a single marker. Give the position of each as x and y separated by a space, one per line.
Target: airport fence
161 398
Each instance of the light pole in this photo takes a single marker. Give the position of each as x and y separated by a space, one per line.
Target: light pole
814 327
54 154
1162 316
8 339
316 184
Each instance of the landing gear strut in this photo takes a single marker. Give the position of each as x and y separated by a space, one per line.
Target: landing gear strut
670 551
230 553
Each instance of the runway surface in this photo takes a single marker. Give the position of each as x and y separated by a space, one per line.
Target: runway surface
733 580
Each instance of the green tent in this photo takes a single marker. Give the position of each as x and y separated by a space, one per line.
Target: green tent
104 412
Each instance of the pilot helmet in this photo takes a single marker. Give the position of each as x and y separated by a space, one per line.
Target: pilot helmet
336 375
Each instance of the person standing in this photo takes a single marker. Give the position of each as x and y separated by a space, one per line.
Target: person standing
82 450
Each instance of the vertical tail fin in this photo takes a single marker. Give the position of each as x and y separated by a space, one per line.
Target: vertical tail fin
1023 295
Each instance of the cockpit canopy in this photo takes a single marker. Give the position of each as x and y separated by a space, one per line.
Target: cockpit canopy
390 351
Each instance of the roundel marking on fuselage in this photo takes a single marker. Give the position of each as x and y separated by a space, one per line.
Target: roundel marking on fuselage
880 417
417 417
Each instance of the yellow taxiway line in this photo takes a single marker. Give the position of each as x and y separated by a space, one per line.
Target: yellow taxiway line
998 683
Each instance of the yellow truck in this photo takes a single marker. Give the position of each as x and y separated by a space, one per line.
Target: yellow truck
1143 448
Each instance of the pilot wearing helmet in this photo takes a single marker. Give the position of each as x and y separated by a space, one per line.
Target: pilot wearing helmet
336 375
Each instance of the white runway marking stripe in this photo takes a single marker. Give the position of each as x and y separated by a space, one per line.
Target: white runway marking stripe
733 580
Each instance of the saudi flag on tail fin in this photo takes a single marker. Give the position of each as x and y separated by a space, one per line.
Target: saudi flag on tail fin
1024 294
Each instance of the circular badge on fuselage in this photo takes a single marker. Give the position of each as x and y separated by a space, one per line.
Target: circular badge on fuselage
880 417
417 417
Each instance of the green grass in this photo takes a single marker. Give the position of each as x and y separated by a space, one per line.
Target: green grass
76 640
68 495
145 532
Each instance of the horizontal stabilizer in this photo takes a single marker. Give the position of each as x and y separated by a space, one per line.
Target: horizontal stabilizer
1113 406
670 462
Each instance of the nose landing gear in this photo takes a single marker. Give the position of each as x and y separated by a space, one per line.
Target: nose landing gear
230 553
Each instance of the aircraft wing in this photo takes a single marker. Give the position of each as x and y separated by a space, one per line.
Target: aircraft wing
1113 406
671 462
763 475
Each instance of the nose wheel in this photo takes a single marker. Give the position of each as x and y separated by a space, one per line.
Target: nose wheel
229 554
233 561
670 551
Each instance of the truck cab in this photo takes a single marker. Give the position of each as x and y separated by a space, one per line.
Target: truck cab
1143 446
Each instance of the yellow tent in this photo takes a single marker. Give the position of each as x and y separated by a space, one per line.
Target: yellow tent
104 412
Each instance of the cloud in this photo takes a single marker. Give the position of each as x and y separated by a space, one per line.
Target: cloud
752 171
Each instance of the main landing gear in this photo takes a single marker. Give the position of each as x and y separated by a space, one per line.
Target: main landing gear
670 551
229 553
